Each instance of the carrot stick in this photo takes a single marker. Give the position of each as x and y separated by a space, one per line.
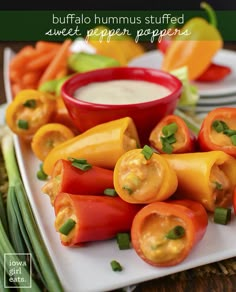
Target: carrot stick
15 88
57 63
31 78
42 61
43 46
21 57
15 75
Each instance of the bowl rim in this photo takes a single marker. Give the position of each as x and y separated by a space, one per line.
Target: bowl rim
77 77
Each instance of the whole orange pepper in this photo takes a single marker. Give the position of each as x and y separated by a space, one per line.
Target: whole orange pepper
206 177
140 180
101 145
195 49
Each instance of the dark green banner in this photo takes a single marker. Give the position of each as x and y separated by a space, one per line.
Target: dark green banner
141 25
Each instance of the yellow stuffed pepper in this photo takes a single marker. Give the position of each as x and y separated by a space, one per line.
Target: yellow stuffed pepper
141 177
29 110
206 177
101 145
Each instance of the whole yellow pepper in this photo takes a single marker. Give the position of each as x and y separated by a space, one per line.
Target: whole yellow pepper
101 145
195 49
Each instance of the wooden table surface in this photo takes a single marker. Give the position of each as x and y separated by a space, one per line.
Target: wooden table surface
217 277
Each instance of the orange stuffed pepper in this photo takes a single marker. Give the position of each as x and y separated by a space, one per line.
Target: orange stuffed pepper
164 233
172 135
141 176
206 177
218 131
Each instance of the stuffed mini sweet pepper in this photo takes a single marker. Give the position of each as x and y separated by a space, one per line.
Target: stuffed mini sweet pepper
142 176
76 176
81 219
172 135
164 233
101 145
206 177
218 131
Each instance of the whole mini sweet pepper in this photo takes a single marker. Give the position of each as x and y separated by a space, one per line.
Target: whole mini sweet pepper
101 145
29 110
214 72
141 176
196 48
81 219
164 233
218 131
67 176
206 177
172 135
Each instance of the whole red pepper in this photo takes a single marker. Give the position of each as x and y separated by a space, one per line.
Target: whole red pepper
214 72
68 178
218 131
96 217
172 135
164 233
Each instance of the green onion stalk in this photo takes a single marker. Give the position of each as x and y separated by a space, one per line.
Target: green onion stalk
19 210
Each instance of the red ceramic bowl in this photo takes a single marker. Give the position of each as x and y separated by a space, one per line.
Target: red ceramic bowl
145 115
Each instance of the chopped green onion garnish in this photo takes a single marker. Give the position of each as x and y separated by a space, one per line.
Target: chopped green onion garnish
147 151
229 132
176 233
116 266
167 148
128 189
233 140
219 126
31 103
222 215
67 226
110 192
218 185
170 129
82 164
22 124
123 240
41 174
222 127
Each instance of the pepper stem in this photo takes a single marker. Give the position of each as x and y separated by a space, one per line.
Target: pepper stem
211 13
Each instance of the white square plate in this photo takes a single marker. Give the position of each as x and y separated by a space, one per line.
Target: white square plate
87 269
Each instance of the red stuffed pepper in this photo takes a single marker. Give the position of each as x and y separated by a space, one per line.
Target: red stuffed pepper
81 219
68 176
218 131
172 135
164 233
